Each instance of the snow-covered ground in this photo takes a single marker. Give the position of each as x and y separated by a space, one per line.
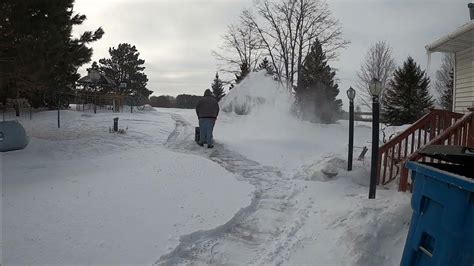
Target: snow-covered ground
81 195
274 190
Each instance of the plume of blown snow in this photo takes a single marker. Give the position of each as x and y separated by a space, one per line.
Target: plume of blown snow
263 106
257 93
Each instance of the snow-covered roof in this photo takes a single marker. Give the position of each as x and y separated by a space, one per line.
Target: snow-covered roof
104 80
458 40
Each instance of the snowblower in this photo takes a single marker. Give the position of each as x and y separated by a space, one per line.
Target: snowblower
197 135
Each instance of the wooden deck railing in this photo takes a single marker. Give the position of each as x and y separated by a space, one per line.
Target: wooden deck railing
394 153
461 133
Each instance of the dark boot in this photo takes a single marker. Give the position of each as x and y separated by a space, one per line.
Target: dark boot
210 146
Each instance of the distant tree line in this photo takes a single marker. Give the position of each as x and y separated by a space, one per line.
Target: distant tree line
184 101
187 101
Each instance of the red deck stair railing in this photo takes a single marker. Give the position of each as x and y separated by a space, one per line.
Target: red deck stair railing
394 153
461 133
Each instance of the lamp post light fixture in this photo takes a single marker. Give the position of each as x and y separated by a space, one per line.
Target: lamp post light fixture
351 93
375 89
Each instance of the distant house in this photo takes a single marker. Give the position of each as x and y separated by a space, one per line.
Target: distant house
460 42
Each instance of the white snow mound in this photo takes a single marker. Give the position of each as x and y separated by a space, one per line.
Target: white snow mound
148 108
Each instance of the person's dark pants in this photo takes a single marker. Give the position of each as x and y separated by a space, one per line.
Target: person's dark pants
206 126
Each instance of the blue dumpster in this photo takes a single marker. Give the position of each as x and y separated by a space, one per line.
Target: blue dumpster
12 136
442 226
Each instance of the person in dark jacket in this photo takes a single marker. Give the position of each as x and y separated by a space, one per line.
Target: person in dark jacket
207 110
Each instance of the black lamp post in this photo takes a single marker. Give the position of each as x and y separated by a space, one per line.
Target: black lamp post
59 108
94 77
122 87
351 95
375 89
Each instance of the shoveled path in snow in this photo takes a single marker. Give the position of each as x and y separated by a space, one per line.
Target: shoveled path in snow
261 233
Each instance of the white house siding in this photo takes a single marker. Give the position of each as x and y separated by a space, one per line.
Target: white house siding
464 82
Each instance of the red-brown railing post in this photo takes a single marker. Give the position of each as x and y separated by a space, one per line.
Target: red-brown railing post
379 166
470 136
403 179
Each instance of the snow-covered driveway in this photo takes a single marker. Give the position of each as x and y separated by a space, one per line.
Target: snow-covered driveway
257 233
291 219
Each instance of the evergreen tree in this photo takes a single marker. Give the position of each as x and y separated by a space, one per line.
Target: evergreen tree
446 97
94 67
265 64
317 91
125 66
39 56
217 88
244 71
407 98
444 82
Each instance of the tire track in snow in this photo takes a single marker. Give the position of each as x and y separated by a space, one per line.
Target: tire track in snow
262 233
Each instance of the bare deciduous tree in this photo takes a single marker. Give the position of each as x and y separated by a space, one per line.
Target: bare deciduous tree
288 28
241 45
378 63
444 82
283 31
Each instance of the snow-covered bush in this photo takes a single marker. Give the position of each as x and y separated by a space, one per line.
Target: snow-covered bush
147 108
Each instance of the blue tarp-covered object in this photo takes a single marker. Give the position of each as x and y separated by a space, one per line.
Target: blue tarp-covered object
12 136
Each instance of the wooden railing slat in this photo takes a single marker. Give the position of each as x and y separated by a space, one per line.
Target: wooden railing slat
419 139
426 129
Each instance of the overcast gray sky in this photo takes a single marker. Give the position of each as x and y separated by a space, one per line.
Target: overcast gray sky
175 37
